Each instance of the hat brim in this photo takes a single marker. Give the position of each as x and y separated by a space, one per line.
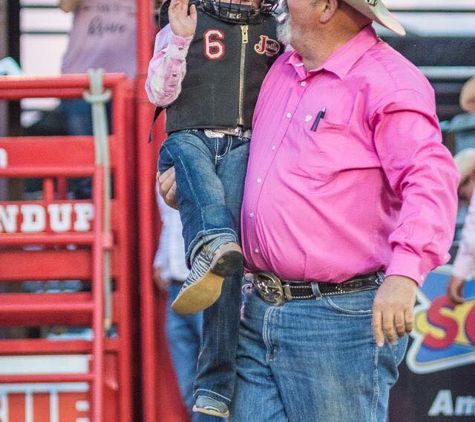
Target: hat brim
467 96
378 13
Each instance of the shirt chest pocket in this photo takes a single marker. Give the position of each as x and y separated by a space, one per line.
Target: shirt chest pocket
331 149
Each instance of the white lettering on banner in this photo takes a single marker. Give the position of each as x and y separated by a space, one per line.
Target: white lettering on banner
34 218
62 405
84 214
3 158
465 406
8 217
60 217
444 405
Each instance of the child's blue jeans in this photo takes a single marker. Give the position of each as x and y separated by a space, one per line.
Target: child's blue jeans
210 175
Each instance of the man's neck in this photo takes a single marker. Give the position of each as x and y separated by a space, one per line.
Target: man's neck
316 48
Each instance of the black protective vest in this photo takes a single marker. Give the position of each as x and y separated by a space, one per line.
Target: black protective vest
226 64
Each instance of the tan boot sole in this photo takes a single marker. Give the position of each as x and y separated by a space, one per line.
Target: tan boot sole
206 291
210 412
200 295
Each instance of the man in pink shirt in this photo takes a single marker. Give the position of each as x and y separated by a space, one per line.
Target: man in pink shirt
349 202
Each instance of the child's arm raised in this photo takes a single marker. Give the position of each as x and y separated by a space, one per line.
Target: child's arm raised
168 65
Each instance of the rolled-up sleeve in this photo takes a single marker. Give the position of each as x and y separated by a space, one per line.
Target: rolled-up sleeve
167 68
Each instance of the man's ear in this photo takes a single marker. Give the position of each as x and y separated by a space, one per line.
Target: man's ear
330 8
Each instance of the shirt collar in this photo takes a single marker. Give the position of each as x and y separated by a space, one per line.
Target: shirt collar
342 60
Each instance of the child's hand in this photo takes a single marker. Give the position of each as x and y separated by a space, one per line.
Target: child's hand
182 23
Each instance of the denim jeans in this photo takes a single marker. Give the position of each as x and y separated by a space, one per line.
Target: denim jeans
210 175
184 340
78 119
313 361
216 376
77 114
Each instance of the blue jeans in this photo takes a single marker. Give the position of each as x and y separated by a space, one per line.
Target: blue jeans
184 340
77 114
78 118
313 361
210 175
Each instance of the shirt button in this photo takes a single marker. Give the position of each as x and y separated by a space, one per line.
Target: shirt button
251 214
273 147
259 180
303 83
308 117
256 250
289 115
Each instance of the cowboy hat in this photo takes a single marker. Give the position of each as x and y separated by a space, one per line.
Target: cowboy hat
467 96
377 11
465 162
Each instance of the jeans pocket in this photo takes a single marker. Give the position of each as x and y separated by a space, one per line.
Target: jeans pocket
358 303
399 349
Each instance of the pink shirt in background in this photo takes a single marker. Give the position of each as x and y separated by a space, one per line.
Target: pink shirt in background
103 35
372 188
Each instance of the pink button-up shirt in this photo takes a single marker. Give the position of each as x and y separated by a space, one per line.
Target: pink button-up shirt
372 188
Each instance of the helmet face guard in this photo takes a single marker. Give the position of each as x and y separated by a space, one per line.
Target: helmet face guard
237 12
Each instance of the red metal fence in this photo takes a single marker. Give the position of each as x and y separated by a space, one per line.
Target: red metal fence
59 239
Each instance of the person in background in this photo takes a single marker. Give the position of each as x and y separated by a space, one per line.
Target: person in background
464 263
103 36
183 331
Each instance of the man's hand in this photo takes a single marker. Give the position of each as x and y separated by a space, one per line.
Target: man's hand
161 284
182 23
455 289
393 309
167 187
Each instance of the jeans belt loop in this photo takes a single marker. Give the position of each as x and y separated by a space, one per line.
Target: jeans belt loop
316 291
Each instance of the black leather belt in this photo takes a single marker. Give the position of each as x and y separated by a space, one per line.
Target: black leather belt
276 292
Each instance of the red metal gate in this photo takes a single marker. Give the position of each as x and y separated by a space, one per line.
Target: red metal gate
59 239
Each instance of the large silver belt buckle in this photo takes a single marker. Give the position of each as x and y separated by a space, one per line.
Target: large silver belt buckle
269 288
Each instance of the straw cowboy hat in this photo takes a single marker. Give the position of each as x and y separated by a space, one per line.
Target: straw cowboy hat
467 96
465 162
377 11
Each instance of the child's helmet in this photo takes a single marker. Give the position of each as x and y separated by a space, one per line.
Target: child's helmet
239 12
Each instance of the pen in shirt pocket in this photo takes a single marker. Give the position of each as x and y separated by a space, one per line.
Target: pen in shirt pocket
320 115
